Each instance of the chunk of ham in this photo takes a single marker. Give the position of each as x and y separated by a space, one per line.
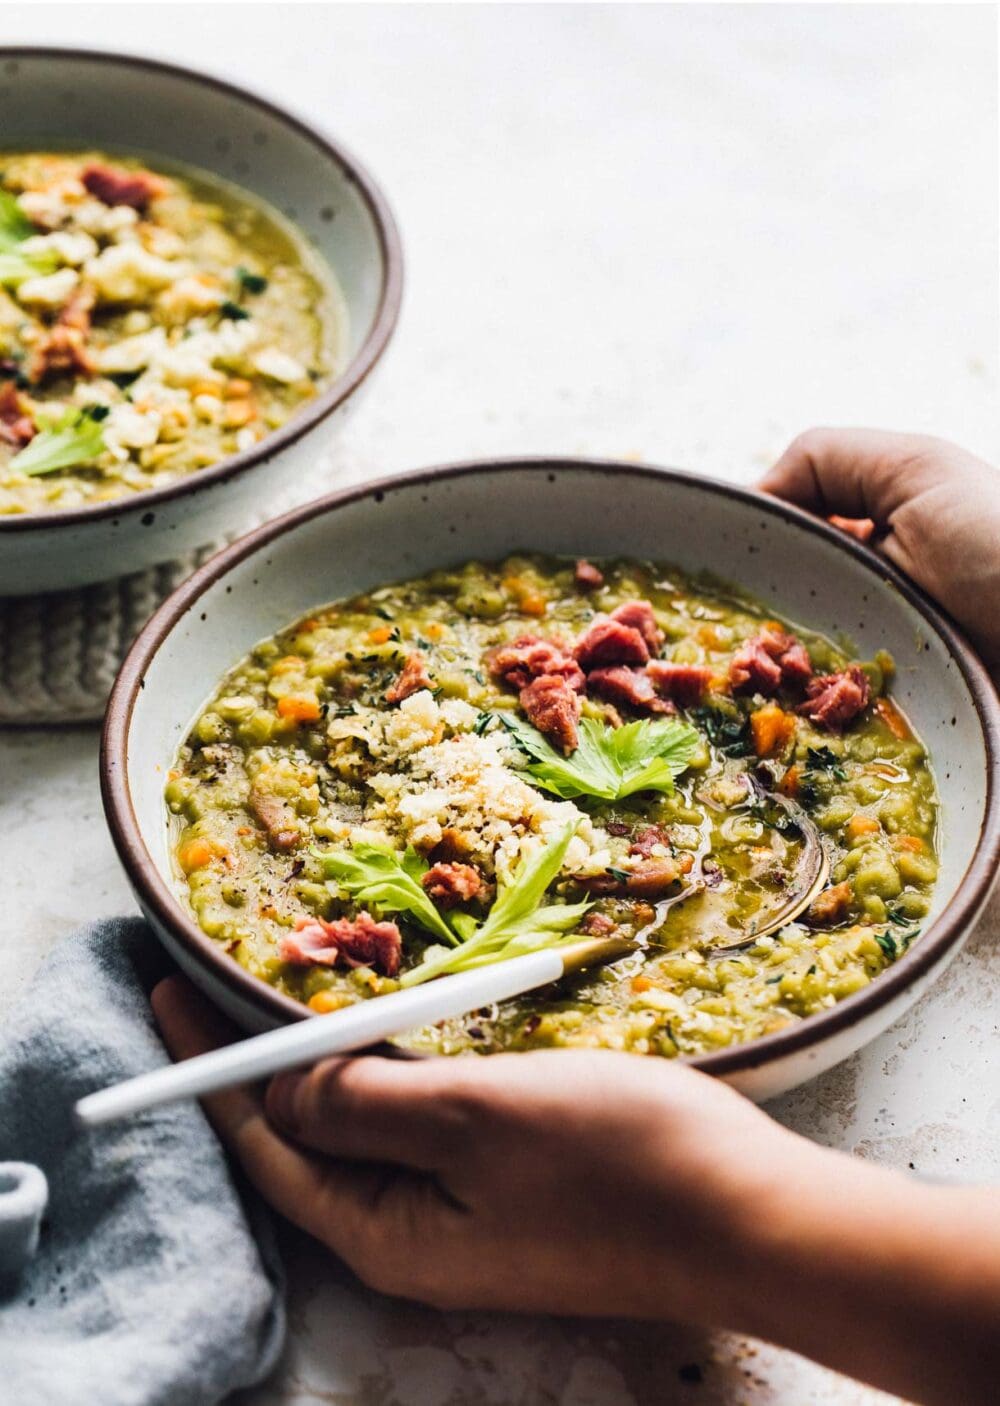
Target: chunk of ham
411 679
277 818
588 576
768 660
597 924
551 704
529 657
650 838
450 884
638 615
16 425
834 700
62 350
608 642
653 878
357 942
633 687
114 187
684 683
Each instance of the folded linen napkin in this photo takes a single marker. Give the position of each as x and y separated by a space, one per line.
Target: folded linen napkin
150 1284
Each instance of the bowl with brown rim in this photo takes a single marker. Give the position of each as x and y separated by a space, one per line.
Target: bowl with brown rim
407 526
89 100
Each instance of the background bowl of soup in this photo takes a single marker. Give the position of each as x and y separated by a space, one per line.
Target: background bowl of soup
298 202
440 518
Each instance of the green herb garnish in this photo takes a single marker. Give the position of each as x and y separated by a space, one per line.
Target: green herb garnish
822 759
233 311
516 924
70 441
610 763
727 734
391 881
888 945
15 228
250 282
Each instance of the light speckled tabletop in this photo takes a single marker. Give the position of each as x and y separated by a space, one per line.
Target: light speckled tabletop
675 233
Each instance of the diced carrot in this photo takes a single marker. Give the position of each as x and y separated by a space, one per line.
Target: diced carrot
772 729
708 635
434 630
380 634
893 719
861 825
326 1001
206 388
831 905
774 625
286 664
305 627
299 710
534 603
195 854
912 843
246 830
685 863
268 911
173 775
527 596
789 784
237 389
863 528
239 413
641 983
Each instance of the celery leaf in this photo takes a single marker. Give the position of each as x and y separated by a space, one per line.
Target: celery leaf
610 763
72 441
370 874
517 923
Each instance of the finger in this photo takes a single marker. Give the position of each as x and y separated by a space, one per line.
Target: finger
323 1199
191 1025
372 1109
852 473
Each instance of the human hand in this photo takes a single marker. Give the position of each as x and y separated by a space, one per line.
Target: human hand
570 1182
587 1183
936 510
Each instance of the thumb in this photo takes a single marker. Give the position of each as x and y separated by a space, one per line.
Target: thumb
855 473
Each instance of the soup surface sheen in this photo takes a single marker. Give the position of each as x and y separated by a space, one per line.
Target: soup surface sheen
395 744
151 324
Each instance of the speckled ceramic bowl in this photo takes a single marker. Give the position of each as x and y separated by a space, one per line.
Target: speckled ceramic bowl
407 526
73 98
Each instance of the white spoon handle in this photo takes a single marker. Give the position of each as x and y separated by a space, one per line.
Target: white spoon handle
309 1040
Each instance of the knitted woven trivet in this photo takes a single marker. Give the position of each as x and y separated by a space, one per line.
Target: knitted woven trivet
59 653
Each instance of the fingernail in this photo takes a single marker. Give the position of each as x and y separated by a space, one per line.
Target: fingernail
283 1100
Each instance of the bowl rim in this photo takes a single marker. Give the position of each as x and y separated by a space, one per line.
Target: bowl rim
339 390
947 931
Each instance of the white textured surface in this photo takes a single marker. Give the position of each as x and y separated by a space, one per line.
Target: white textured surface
677 233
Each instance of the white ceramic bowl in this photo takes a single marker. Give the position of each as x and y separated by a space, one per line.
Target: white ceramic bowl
407 526
75 98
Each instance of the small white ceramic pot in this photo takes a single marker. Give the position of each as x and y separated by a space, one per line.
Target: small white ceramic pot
76 98
407 526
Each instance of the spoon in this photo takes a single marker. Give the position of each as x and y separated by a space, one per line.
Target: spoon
368 1022
340 1032
813 874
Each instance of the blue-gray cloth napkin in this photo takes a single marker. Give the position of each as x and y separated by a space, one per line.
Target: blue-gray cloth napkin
150 1286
